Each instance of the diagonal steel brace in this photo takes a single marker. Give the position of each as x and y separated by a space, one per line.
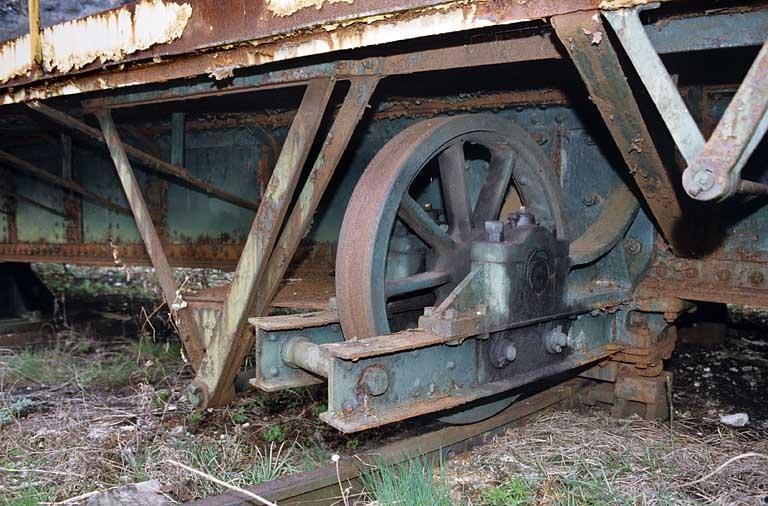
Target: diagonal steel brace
232 340
714 166
185 322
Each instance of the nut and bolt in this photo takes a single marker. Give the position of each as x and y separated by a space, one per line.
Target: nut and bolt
723 275
521 218
429 310
450 314
450 365
274 372
493 230
632 246
556 341
704 180
375 380
590 200
510 352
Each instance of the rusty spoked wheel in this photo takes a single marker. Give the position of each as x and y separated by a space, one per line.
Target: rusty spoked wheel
424 198
419 205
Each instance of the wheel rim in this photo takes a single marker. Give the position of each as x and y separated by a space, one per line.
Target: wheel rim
389 193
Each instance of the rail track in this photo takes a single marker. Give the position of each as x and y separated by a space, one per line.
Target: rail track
321 487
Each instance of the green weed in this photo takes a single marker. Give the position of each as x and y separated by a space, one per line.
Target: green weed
238 416
411 482
270 464
517 492
273 434
13 410
195 417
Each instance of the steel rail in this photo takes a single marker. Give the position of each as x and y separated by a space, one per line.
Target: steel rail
320 486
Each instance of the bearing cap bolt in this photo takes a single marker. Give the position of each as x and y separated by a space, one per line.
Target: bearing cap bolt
493 230
521 218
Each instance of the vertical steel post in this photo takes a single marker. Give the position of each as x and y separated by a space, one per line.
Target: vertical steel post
183 318
73 208
599 67
233 340
177 139
35 44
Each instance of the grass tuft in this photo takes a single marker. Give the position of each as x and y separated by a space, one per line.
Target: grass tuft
411 482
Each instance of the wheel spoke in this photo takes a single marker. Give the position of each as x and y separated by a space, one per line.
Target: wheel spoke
454 182
415 283
494 190
423 225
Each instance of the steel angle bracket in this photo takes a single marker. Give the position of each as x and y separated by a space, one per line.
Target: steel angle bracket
274 335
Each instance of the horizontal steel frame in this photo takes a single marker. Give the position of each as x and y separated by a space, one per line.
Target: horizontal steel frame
150 162
666 36
26 167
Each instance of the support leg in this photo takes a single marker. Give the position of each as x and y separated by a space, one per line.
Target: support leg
181 314
233 340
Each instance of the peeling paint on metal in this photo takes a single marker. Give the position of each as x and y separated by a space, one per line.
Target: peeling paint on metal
105 37
623 4
285 8
15 58
367 33
111 36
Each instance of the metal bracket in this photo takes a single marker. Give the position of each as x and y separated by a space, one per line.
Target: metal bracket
714 167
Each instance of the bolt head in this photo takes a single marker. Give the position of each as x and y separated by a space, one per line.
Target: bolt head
274 372
704 180
510 352
375 380
451 314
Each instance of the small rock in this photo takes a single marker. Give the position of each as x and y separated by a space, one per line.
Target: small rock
735 420
146 493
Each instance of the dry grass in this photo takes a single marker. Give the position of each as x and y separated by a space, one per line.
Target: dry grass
572 458
100 415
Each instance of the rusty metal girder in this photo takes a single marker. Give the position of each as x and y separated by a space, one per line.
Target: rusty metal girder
183 318
265 32
26 167
146 159
232 341
599 67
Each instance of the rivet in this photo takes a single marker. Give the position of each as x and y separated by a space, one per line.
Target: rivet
450 365
274 372
756 278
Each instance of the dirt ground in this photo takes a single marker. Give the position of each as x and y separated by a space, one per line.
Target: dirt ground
101 404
